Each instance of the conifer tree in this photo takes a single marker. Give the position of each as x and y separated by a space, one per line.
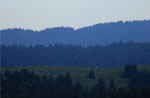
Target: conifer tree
91 75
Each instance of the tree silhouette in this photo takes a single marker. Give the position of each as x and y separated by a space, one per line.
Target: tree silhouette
112 84
91 75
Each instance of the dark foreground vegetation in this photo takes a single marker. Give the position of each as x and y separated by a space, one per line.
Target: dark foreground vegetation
113 55
27 84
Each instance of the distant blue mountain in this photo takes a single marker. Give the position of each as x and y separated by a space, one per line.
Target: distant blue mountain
99 34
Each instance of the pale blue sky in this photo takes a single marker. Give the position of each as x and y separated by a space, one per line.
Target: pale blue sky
40 14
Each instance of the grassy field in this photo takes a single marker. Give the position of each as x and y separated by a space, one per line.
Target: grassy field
80 73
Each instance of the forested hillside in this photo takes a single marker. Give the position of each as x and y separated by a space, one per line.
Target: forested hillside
101 34
113 55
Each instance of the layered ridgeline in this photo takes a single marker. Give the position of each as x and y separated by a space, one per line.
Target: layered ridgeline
114 55
101 34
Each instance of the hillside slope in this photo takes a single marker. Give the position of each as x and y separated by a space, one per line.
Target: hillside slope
101 34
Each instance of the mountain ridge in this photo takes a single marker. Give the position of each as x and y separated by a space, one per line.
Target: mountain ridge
101 34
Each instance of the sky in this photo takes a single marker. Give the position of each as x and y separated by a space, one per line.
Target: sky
41 14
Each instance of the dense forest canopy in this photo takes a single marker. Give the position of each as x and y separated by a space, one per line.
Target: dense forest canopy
113 55
101 34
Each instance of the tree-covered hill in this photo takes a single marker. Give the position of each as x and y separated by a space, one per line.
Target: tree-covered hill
113 55
101 34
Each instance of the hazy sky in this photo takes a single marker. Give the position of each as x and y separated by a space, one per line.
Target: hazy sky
40 14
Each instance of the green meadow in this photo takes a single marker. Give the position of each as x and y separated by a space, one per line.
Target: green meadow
80 73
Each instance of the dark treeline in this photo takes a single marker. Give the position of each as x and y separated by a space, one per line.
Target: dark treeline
101 34
137 79
113 55
25 84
